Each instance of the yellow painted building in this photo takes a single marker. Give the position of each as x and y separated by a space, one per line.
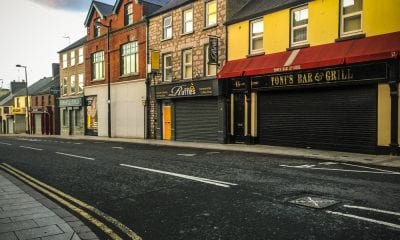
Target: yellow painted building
19 111
339 57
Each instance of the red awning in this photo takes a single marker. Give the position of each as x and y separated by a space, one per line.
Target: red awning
346 52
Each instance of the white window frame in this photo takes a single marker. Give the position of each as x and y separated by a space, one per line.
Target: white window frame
187 21
98 66
64 86
187 64
167 28
81 82
259 35
97 29
72 84
65 60
128 15
349 15
293 28
72 57
80 52
130 58
208 14
206 64
165 67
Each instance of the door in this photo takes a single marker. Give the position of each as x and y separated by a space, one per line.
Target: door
239 118
71 122
10 125
38 123
167 122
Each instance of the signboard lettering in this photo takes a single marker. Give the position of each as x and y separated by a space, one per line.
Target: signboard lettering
187 89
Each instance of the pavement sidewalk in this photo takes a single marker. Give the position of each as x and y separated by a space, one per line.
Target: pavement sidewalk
369 159
26 214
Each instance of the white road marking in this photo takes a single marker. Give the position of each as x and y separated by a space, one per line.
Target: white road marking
186 154
118 147
340 170
354 165
366 219
212 152
313 202
77 143
372 209
199 179
328 163
77 156
32 148
8 144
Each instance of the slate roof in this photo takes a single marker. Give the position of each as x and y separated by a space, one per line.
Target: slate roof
76 44
256 8
173 4
103 9
9 100
157 3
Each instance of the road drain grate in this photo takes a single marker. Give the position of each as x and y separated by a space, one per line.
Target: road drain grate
314 202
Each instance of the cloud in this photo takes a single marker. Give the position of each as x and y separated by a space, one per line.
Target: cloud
72 5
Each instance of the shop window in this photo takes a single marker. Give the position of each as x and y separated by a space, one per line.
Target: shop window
72 57
167 27
187 64
257 36
77 117
299 26
211 13
98 66
129 58
187 21
65 60
73 84
80 52
351 17
128 16
167 67
210 69
97 28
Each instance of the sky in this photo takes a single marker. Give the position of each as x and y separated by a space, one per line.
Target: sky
33 31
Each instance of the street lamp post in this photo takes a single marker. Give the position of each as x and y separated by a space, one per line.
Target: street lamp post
26 99
108 74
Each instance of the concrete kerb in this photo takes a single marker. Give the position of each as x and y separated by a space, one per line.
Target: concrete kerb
368 159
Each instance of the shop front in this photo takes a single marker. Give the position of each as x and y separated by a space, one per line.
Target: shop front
91 116
190 111
72 116
344 102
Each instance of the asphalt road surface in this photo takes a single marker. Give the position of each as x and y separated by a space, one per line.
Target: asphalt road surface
182 193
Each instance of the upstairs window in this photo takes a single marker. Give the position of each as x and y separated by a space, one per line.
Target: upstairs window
129 58
80 52
351 17
187 62
97 28
167 27
167 67
128 14
64 86
80 83
257 36
72 56
211 69
98 65
188 21
73 84
65 60
299 26
211 13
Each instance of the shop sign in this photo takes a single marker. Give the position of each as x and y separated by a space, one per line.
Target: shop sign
18 110
238 84
71 102
91 115
321 76
187 89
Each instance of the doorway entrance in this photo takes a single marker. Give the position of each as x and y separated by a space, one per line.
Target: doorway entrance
167 122
239 118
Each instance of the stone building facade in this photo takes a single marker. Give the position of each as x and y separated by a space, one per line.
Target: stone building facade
187 102
72 77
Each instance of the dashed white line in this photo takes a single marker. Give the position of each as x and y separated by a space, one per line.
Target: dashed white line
76 156
186 154
118 148
32 148
372 209
8 144
193 178
366 219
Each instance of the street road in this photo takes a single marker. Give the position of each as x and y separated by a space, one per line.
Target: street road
182 193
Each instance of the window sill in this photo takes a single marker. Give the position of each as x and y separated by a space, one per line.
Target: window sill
298 47
350 37
129 75
98 80
188 33
210 27
166 39
255 54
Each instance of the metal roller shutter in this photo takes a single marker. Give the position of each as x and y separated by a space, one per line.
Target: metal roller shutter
342 118
196 120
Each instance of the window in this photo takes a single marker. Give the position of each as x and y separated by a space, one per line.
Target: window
80 52
128 14
72 56
64 86
65 117
167 27
351 17
37 101
97 31
98 65
18 104
256 36
77 117
73 84
211 13
167 67
129 58
80 83
188 21
49 100
299 21
43 103
187 64
65 61
210 69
